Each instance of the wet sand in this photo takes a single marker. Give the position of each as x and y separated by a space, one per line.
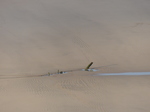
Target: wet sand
41 36
37 37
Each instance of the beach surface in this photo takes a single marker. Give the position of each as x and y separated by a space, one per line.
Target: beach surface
75 92
38 37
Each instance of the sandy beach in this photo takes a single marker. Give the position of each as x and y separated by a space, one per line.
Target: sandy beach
82 92
41 36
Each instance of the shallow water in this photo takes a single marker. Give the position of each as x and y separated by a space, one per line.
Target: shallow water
91 70
126 73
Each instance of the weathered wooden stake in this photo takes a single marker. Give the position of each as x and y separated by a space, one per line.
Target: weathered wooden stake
86 69
49 73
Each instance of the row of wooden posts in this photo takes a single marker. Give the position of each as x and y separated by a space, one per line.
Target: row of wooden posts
61 72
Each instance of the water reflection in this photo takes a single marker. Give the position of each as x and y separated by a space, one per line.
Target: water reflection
126 73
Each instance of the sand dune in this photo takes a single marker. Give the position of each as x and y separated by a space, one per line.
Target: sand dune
41 36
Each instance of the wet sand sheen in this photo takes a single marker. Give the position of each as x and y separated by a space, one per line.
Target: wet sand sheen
126 73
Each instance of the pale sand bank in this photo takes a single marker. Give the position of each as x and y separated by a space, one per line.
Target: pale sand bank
76 92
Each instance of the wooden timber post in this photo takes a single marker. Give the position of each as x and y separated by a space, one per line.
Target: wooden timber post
86 69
